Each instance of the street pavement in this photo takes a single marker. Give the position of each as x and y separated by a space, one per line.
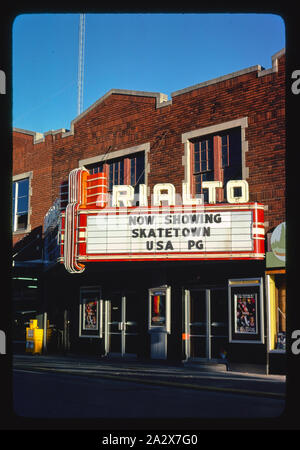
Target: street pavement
80 387
159 374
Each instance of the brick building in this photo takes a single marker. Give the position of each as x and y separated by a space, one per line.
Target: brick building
229 128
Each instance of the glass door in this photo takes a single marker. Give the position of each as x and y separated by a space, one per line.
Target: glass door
130 324
219 323
116 323
198 311
121 318
206 323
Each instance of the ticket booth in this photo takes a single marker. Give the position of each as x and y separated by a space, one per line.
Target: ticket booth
159 324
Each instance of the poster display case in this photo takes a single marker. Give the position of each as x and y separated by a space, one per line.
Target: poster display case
90 312
159 309
246 310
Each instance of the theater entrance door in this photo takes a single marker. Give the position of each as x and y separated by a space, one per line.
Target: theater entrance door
121 315
206 323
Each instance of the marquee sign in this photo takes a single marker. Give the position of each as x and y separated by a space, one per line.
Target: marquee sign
92 231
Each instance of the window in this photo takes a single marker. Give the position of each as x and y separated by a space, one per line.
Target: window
20 204
277 326
137 170
203 165
119 171
231 155
216 157
116 174
95 168
225 150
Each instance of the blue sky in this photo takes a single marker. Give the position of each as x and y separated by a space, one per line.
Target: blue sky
146 52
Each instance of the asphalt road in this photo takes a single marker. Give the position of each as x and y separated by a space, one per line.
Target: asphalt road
50 387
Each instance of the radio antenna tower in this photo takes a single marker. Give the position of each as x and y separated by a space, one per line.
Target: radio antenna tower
81 63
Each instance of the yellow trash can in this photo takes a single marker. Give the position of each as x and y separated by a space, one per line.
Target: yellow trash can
34 338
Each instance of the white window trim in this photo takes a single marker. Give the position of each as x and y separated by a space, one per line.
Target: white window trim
20 177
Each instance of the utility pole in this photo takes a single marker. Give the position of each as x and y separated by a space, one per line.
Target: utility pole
81 63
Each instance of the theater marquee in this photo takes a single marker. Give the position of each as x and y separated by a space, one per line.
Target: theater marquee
172 232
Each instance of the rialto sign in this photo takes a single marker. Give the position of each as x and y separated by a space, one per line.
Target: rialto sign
172 228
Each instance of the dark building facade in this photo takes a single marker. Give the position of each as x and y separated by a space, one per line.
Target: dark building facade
214 292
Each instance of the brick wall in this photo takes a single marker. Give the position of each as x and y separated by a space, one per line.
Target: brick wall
123 119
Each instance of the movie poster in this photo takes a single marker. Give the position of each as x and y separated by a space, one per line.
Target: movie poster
246 313
158 309
90 314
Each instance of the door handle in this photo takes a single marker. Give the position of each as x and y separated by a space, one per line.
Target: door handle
120 326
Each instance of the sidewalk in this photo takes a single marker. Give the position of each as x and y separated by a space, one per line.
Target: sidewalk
155 372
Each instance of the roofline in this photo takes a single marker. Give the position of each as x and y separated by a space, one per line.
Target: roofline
35 134
38 137
261 72
161 99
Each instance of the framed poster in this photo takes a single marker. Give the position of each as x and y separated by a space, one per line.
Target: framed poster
281 341
90 312
246 311
159 309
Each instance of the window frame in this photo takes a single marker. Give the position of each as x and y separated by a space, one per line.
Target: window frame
209 162
189 137
227 151
126 155
15 181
